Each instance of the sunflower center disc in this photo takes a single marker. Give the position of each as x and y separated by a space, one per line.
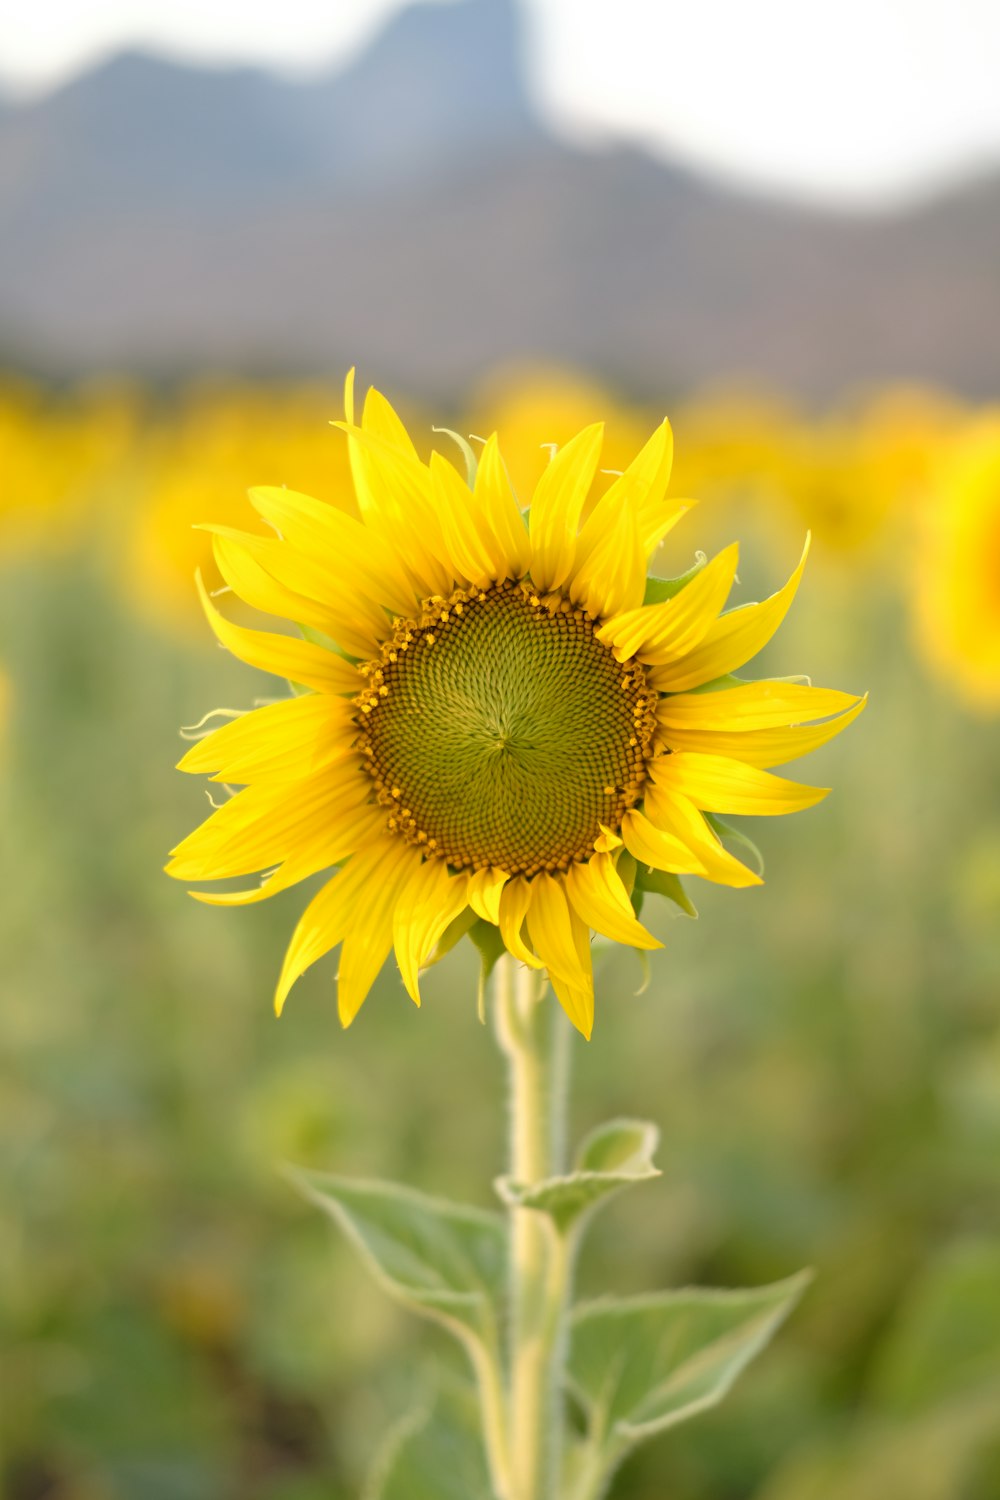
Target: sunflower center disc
500 731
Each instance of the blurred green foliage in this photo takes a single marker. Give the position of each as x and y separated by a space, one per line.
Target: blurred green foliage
822 1056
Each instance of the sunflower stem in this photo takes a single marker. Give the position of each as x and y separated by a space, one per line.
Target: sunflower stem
534 1039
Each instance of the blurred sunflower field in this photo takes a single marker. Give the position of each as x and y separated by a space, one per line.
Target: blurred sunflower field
823 1054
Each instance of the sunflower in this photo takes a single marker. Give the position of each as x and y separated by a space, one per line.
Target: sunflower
957 597
500 724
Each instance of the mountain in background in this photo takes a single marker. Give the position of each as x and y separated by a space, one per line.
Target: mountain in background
412 212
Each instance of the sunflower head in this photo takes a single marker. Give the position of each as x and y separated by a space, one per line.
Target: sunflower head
501 732
500 719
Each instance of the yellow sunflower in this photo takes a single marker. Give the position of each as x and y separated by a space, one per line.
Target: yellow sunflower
502 723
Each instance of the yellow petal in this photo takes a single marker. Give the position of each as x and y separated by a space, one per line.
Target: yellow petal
323 532
607 840
356 623
577 1000
430 901
721 785
465 538
597 893
283 655
645 482
515 898
752 705
764 747
663 519
732 640
368 940
549 927
329 914
291 738
511 547
557 505
383 421
661 632
659 850
609 571
395 496
562 941
318 849
677 815
263 825
485 889
256 587
320 928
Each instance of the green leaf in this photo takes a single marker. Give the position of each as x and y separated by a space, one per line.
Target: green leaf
441 1259
950 1451
945 1334
642 1364
613 1157
659 590
435 1453
661 883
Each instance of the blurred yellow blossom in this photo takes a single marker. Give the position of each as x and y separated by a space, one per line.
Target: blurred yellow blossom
540 407
956 584
868 465
203 455
844 474
59 454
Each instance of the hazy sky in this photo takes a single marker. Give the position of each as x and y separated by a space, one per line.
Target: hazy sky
858 98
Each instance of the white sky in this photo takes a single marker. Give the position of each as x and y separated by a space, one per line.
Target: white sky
846 99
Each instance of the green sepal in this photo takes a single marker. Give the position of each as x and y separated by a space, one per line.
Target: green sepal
662 883
490 947
639 1365
646 970
736 836
614 1156
468 453
318 638
441 1259
628 869
719 684
659 590
434 1453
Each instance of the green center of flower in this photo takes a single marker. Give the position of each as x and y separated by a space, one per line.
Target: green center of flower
500 731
